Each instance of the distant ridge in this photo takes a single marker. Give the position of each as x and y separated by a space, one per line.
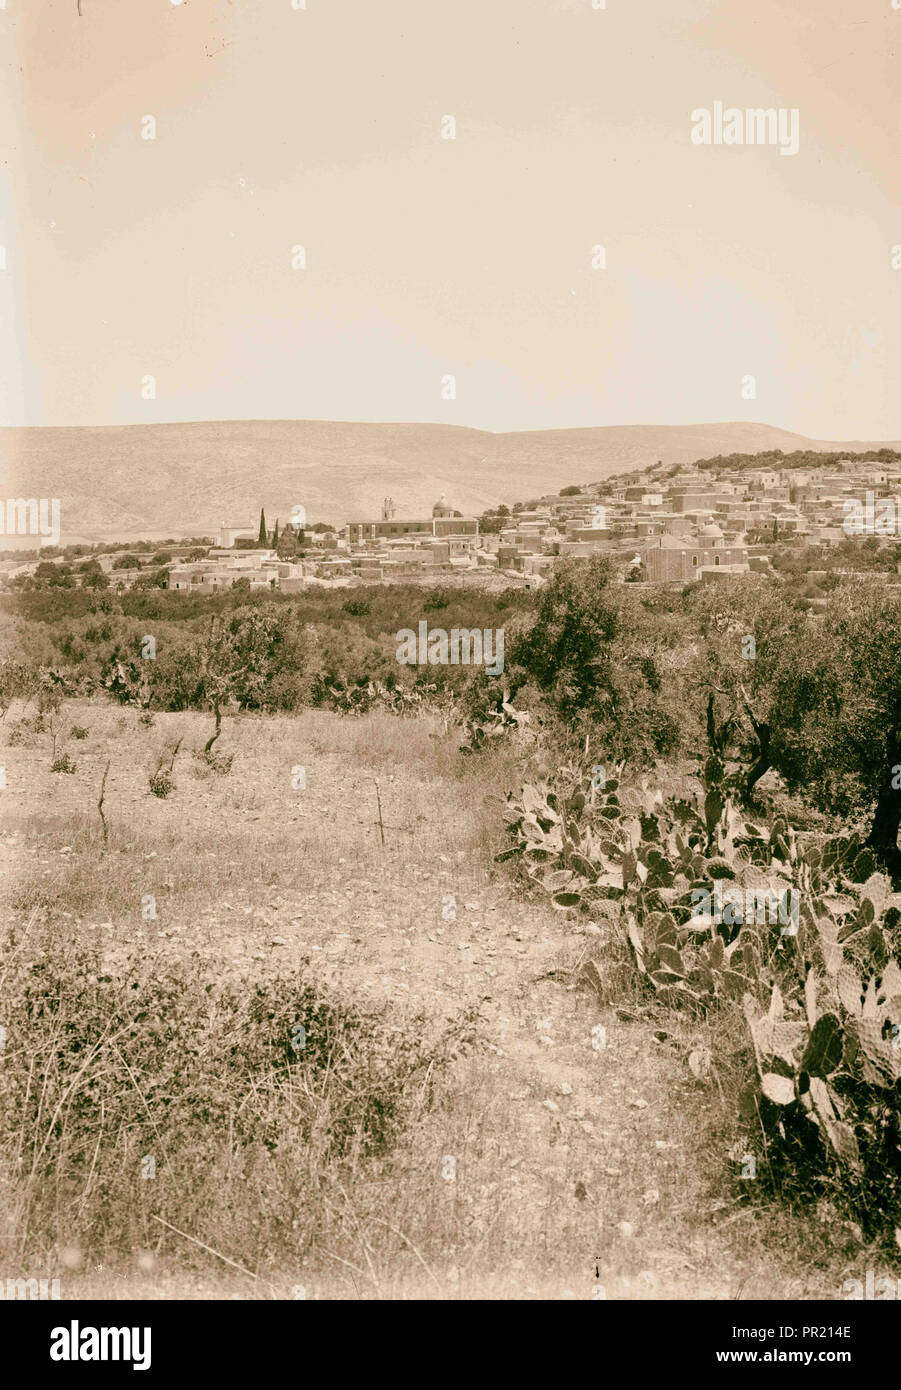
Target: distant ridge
128 481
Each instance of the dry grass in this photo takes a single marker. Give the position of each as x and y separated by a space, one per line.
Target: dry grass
565 1159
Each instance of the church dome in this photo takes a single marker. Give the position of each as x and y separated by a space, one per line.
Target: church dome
441 508
711 532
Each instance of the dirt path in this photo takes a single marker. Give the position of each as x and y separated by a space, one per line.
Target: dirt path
585 1121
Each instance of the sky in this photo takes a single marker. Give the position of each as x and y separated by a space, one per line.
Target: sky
429 259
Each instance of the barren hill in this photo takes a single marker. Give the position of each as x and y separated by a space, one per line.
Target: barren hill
184 479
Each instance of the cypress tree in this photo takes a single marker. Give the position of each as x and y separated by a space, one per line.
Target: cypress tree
275 535
261 538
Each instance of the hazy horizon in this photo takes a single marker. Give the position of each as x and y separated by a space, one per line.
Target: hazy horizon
881 442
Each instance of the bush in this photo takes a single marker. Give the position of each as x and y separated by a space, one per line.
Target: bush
231 1108
161 782
331 692
62 764
214 760
152 579
594 652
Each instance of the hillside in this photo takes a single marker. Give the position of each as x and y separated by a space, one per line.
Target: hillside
572 1166
184 479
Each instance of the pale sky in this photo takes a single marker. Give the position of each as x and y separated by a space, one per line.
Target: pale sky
426 257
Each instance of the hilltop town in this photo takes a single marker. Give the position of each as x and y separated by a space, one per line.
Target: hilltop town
666 524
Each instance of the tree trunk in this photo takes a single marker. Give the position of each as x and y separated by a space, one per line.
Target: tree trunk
218 730
762 762
883 836
711 725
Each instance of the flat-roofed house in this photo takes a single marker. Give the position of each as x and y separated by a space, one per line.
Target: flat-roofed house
439 525
679 560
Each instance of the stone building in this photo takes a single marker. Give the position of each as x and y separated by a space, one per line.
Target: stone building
680 560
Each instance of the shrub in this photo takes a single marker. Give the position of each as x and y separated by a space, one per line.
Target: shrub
363 695
62 764
235 1109
214 760
161 782
593 654
486 714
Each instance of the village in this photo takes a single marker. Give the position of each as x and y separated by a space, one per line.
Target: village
662 525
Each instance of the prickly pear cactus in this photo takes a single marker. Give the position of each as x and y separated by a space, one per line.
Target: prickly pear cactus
822 1001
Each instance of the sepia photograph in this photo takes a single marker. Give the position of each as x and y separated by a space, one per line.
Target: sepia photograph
450 667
